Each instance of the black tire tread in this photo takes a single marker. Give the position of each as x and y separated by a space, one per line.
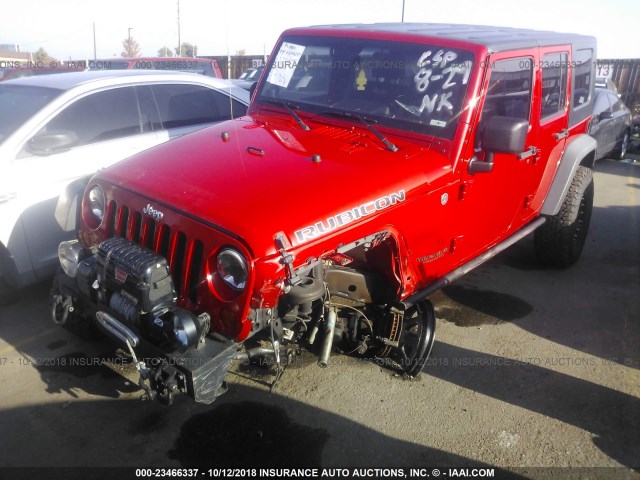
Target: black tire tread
555 242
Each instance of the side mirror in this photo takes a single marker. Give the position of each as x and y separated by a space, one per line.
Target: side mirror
606 115
501 135
47 143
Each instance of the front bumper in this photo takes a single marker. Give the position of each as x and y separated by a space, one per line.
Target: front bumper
126 292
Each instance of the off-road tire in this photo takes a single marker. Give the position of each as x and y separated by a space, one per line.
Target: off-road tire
77 324
559 241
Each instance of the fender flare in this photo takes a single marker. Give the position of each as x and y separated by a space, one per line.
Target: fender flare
580 151
68 208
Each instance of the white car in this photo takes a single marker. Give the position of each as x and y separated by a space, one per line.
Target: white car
56 131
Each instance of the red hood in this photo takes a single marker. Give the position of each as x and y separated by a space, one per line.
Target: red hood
255 195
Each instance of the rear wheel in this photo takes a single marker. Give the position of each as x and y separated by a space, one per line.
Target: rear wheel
559 241
624 146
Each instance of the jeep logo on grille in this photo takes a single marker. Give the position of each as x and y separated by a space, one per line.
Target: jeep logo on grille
152 212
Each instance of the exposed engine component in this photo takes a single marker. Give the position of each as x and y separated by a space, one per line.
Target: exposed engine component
352 310
127 291
136 284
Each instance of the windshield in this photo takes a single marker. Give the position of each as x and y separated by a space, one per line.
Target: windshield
18 103
420 88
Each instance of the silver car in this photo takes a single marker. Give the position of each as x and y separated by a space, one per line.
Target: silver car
56 131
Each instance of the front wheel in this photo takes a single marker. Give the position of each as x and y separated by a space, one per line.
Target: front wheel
412 334
559 241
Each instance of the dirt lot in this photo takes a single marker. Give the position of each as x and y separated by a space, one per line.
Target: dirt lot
531 368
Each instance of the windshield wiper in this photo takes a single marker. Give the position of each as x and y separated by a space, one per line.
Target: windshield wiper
367 122
289 108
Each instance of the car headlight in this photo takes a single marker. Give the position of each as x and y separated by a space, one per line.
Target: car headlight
232 268
69 254
95 207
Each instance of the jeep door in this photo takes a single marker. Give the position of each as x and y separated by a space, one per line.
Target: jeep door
491 202
549 126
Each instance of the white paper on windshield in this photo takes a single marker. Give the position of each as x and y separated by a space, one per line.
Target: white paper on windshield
285 63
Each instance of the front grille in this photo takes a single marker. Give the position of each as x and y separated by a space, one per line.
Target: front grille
188 244
185 256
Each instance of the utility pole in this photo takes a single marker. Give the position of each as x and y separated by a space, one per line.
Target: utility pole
179 41
402 11
129 45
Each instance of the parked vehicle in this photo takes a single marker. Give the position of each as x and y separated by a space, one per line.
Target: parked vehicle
56 131
610 125
203 66
246 73
13 73
604 82
376 165
250 79
635 125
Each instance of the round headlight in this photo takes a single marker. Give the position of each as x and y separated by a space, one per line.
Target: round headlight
95 207
232 268
69 255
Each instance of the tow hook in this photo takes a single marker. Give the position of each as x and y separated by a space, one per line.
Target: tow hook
61 308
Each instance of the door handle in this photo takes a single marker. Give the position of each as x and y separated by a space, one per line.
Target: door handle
5 197
532 151
564 133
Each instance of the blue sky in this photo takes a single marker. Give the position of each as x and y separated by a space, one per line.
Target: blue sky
64 27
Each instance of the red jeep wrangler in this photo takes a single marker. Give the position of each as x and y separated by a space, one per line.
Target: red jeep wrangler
377 164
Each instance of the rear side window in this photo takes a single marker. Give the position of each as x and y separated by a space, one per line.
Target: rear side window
554 83
100 116
185 105
582 78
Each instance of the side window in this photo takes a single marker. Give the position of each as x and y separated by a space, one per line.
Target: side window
100 116
616 103
583 61
509 90
601 104
185 105
554 83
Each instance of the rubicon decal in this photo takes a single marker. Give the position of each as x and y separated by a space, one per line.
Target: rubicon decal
349 216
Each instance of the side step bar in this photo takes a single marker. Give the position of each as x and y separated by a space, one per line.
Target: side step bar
470 265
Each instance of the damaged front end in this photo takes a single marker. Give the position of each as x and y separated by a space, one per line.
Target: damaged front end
333 303
127 292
